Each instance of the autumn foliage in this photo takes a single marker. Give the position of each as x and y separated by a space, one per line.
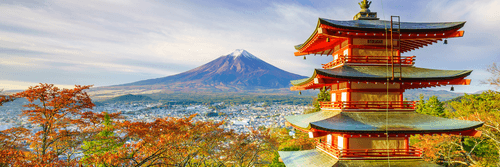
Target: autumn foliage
70 134
12 146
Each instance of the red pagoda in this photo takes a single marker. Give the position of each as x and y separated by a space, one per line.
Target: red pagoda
368 122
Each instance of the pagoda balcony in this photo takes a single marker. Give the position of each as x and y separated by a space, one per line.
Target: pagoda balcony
369 60
333 150
399 105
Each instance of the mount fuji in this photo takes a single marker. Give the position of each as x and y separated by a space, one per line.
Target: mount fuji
236 71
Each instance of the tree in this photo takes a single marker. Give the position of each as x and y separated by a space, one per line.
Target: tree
266 104
495 79
452 149
432 107
68 127
12 145
4 98
323 95
484 108
104 143
299 141
479 151
248 149
164 142
57 112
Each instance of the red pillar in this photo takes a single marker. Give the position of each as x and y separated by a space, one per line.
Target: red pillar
401 99
346 142
401 96
348 91
407 144
349 43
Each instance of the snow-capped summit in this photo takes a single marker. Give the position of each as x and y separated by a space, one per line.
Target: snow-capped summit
241 52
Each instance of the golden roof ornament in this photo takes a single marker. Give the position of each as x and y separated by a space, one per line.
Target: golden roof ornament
365 5
365 13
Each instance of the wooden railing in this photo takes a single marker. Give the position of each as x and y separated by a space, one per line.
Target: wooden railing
369 104
410 152
333 150
334 63
404 60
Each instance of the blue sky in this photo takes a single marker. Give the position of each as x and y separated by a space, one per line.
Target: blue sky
109 42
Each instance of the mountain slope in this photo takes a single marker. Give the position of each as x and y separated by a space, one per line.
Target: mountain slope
443 95
239 69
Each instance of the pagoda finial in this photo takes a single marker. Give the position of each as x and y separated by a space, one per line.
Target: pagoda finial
365 13
365 5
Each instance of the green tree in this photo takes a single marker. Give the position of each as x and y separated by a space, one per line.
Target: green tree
300 141
432 107
105 142
464 150
323 95
266 104
482 107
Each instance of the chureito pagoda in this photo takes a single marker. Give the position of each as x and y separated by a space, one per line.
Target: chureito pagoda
368 122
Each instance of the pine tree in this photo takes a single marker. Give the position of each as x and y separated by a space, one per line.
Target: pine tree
105 142
432 107
323 95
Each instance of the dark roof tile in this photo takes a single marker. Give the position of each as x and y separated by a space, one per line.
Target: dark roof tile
383 72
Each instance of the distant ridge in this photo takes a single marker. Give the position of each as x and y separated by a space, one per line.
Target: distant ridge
236 71
443 95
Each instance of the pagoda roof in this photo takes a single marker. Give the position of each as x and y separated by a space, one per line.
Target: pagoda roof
375 122
318 158
313 157
384 163
413 35
409 73
303 121
382 25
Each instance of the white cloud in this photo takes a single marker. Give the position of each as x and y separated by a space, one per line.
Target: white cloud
21 85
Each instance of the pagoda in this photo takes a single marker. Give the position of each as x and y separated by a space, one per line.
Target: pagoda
368 122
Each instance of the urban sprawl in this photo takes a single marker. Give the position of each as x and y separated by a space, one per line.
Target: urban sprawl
236 117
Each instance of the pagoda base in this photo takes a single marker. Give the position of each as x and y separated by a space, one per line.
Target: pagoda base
318 158
385 163
313 157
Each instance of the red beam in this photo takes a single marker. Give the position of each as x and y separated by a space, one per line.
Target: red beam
367 90
327 81
471 132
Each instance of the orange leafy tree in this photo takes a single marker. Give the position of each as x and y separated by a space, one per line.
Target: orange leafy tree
12 146
250 149
67 127
464 150
4 99
11 142
164 142
58 113
449 149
